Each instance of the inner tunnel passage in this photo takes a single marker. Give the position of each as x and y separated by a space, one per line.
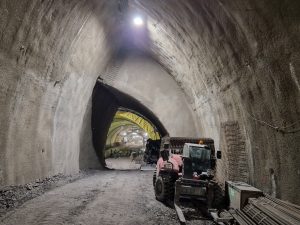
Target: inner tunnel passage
126 140
225 70
106 104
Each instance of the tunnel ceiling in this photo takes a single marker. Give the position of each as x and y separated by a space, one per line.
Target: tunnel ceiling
238 62
139 120
125 120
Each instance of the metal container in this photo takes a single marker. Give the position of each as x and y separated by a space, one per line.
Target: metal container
238 193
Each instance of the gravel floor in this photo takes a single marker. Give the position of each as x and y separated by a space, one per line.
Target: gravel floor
12 197
122 164
103 198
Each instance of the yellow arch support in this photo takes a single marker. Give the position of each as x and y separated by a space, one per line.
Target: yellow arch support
139 121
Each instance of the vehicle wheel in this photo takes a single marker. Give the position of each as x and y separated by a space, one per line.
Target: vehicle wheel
219 198
162 189
154 178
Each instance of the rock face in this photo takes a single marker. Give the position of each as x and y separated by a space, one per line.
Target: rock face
238 61
235 61
149 83
51 54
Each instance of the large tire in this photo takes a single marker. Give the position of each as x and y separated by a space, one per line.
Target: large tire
164 188
161 189
154 178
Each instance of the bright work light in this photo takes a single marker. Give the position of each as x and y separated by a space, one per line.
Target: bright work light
138 21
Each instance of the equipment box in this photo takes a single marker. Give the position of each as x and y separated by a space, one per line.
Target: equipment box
238 193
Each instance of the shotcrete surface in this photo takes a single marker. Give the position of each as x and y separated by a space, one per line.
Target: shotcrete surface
146 80
236 62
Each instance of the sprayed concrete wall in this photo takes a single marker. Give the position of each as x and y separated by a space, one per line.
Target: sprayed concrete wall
237 62
147 81
51 54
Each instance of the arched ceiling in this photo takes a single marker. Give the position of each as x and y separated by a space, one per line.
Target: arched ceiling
138 120
238 63
124 120
115 129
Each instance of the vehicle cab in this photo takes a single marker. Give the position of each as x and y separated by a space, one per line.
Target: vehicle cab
198 161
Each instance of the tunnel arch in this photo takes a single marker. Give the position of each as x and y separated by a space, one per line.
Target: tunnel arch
129 117
229 58
237 63
106 102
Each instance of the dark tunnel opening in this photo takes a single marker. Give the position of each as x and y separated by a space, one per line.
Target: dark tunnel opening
106 103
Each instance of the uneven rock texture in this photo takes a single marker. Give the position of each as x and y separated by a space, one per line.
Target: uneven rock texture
235 61
12 197
51 54
234 162
143 78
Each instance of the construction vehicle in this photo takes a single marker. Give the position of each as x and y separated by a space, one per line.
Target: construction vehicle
151 154
185 170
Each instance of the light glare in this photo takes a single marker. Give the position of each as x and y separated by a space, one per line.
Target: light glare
138 21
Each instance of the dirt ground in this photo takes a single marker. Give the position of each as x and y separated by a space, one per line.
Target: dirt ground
104 197
12 197
123 164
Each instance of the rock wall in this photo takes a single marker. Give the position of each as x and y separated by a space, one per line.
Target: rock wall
140 76
237 61
234 60
51 54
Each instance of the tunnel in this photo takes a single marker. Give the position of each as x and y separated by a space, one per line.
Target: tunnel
226 70
107 101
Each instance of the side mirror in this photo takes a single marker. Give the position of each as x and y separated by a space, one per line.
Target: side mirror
219 155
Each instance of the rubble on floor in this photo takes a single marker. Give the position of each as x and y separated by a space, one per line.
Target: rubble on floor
13 196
